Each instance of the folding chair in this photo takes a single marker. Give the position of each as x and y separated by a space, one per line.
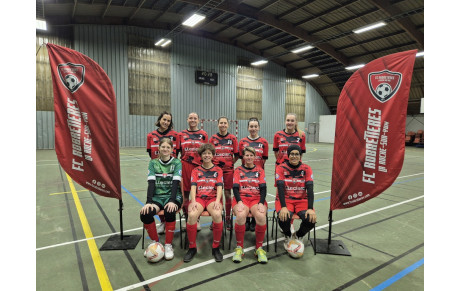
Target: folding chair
250 216
162 212
294 216
206 213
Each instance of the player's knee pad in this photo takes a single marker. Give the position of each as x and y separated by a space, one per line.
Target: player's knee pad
285 226
148 217
170 216
305 227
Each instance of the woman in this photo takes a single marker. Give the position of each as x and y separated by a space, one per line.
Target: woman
164 129
205 194
249 191
190 140
284 138
226 146
294 181
163 194
260 144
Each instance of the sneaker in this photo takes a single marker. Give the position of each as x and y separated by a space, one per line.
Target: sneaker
261 255
252 226
161 228
189 255
286 241
217 254
169 252
238 256
145 251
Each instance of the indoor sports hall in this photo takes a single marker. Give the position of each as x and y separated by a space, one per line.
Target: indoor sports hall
249 60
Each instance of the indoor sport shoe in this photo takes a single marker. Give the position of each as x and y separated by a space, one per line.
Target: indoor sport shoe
238 256
217 254
189 255
169 252
261 255
286 241
161 228
145 251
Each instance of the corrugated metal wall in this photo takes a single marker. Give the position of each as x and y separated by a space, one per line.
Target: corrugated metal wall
107 45
314 105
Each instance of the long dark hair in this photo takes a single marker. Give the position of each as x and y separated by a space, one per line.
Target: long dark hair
171 125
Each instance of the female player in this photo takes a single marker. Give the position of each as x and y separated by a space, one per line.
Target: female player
163 194
206 193
249 191
294 181
260 144
190 140
226 146
164 129
284 138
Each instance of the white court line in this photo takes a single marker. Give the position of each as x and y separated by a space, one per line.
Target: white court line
164 276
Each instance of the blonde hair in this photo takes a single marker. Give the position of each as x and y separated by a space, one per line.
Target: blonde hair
249 149
301 133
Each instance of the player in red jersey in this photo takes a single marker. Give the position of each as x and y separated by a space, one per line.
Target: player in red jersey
164 129
260 144
226 146
206 193
294 181
284 138
189 141
249 190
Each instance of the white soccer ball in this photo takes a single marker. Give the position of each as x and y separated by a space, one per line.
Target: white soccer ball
383 90
295 248
71 81
155 252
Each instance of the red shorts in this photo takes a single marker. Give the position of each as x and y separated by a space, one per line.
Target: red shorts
187 169
248 201
206 201
228 179
295 206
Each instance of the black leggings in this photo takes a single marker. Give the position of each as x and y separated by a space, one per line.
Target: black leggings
149 217
305 225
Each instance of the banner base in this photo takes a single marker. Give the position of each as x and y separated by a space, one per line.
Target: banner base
336 247
115 242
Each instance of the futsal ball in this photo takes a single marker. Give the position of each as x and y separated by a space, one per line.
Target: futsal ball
71 81
295 248
383 90
155 252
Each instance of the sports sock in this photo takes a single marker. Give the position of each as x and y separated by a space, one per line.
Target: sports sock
152 230
228 208
162 218
191 233
239 234
169 230
216 233
260 233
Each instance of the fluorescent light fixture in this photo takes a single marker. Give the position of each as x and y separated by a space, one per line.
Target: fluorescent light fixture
369 27
420 54
258 63
193 20
163 42
166 43
302 49
310 76
354 67
41 24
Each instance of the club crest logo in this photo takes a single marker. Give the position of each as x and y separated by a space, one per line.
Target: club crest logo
72 76
384 84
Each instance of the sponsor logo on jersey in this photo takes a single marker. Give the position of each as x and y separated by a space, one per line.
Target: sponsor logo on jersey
72 76
384 84
193 136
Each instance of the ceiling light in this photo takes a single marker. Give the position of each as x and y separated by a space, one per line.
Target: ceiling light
41 24
302 49
354 67
166 43
420 54
369 27
163 42
310 76
193 20
258 63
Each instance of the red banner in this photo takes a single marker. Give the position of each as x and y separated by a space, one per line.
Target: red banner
86 129
370 130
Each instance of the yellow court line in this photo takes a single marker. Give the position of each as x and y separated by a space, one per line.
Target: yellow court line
97 260
314 150
66 192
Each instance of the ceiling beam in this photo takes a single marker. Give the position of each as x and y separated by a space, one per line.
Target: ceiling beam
137 9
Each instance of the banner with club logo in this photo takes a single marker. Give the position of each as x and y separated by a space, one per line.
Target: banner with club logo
370 130
86 128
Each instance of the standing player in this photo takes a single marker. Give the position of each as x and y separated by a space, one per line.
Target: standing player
249 190
226 146
284 138
206 193
164 129
190 140
294 181
163 194
260 145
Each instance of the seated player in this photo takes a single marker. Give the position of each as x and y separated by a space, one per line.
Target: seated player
249 192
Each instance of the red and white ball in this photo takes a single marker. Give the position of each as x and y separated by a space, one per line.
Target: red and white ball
295 248
155 252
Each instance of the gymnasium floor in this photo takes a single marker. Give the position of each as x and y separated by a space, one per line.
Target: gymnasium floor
385 237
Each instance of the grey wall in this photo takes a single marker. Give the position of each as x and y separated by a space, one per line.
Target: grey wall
107 45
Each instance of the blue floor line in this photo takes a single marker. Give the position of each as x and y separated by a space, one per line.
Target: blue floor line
398 276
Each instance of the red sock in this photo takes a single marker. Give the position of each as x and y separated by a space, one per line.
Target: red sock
216 233
228 208
191 234
169 230
162 218
239 234
260 233
152 230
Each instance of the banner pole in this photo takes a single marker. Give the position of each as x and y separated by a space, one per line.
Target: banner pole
331 247
120 209
330 228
